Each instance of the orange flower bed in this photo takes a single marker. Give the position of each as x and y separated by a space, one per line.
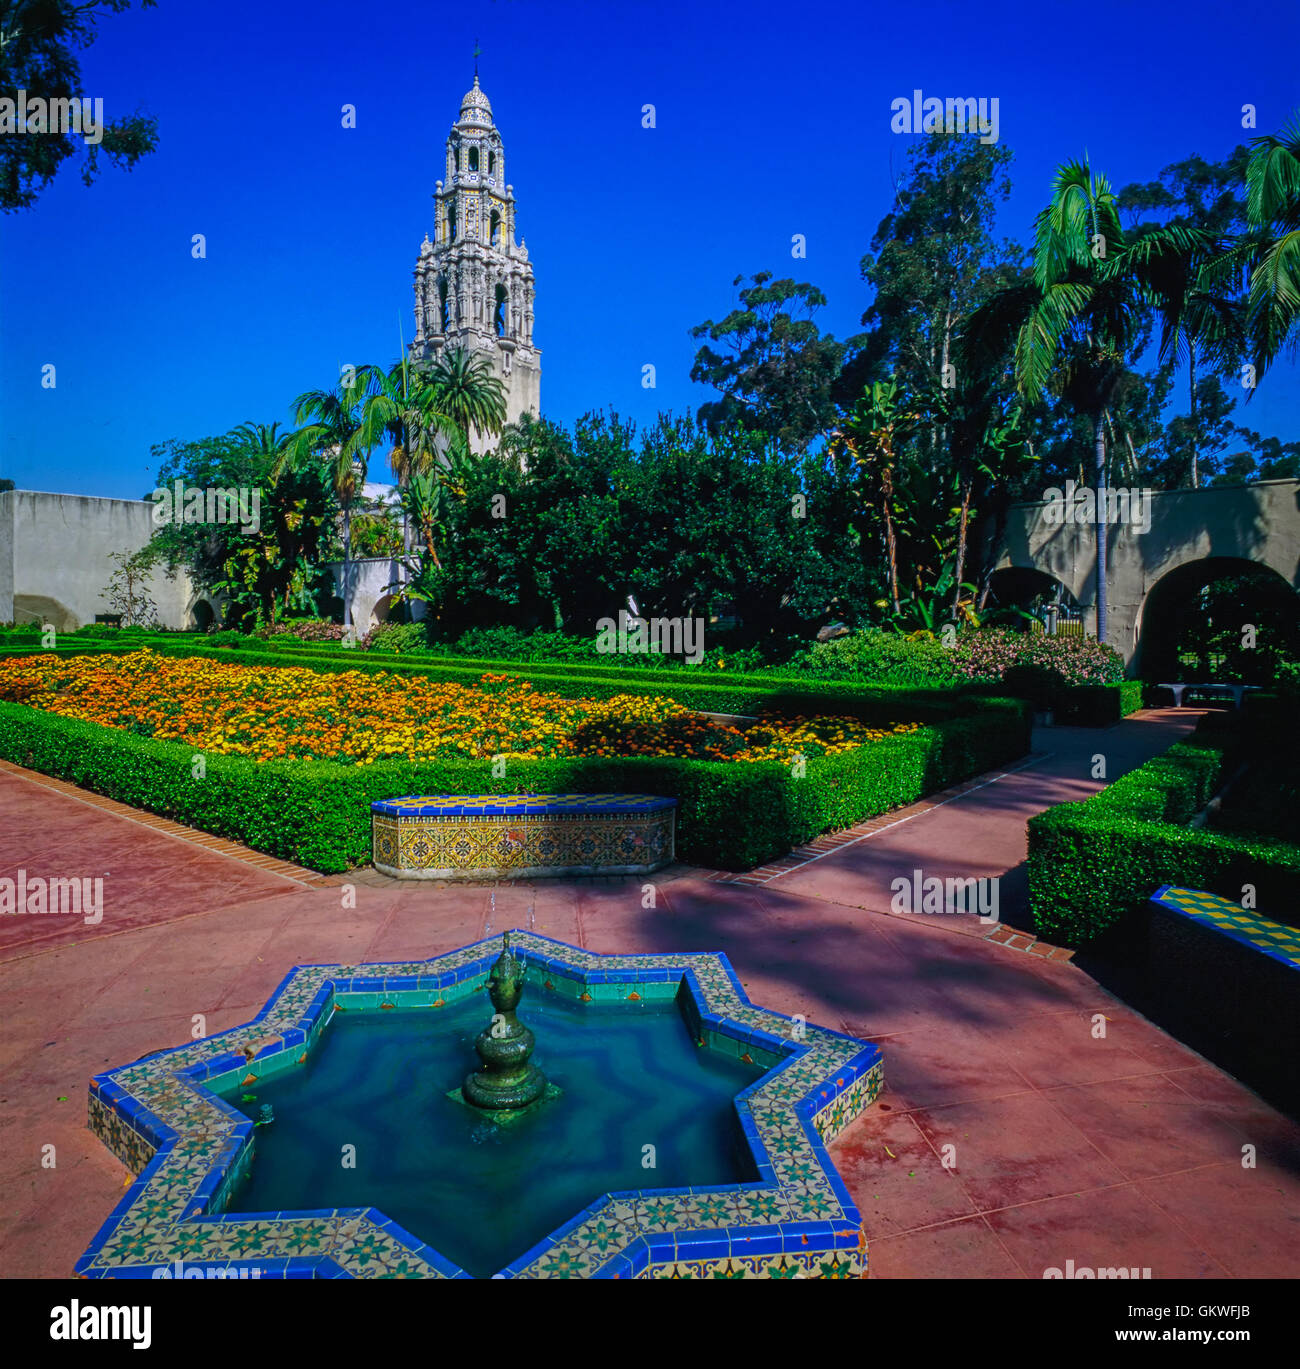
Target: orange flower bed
354 718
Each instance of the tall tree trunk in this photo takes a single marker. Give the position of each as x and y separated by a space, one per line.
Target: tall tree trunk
994 546
1191 373
967 483
1099 439
347 565
887 492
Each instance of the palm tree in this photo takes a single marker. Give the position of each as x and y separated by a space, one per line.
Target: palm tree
331 429
464 388
1078 315
264 443
266 448
1200 320
1270 248
403 407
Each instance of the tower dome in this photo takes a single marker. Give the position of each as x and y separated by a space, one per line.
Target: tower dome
476 107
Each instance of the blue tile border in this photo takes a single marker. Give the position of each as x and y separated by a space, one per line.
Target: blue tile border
162 1118
518 805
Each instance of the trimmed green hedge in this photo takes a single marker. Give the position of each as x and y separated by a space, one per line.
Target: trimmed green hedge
1099 705
1094 864
730 815
876 705
708 689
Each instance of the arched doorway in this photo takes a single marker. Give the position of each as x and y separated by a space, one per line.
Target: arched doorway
1222 619
1015 591
202 616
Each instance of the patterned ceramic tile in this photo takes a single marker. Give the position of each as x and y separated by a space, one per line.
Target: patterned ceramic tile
161 1116
1276 939
493 836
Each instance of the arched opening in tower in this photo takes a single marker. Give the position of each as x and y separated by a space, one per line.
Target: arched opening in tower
500 318
442 302
494 224
473 159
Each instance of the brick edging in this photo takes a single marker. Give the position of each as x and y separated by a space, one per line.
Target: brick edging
1016 940
142 817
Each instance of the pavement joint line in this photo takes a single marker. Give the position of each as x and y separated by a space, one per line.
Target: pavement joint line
167 827
1055 1198
922 806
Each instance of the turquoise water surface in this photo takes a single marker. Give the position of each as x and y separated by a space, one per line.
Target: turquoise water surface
480 1194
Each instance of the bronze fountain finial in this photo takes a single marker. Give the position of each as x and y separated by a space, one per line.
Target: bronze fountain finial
508 1083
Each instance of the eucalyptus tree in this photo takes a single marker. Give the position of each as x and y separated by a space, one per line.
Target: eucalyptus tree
775 371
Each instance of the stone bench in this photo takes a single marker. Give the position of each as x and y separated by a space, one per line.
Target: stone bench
1232 976
1180 691
521 836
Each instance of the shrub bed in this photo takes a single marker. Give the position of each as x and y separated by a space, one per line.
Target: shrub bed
1096 863
318 813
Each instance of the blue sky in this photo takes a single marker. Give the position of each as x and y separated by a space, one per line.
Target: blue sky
772 119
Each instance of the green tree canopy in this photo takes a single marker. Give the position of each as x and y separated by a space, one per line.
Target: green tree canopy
39 43
774 370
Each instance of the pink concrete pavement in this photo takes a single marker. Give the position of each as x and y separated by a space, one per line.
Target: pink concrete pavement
1011 1135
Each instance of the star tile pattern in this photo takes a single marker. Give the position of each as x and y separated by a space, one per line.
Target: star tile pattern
521 836
189 1148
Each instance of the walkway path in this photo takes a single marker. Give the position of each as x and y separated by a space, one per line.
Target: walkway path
1117 1150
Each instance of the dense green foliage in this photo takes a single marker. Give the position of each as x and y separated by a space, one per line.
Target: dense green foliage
318 815
274 569
565 529
39 46
1094 864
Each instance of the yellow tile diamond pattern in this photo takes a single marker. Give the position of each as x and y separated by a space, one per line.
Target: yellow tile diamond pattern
1244 924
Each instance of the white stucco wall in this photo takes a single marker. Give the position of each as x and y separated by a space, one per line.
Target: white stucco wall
1258 523
54 558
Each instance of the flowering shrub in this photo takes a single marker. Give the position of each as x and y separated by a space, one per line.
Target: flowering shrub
988 655
272 713
305 630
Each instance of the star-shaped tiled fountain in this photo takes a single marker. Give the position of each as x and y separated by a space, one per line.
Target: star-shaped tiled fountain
687 1204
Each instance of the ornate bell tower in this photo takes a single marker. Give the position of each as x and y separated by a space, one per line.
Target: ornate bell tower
474 282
